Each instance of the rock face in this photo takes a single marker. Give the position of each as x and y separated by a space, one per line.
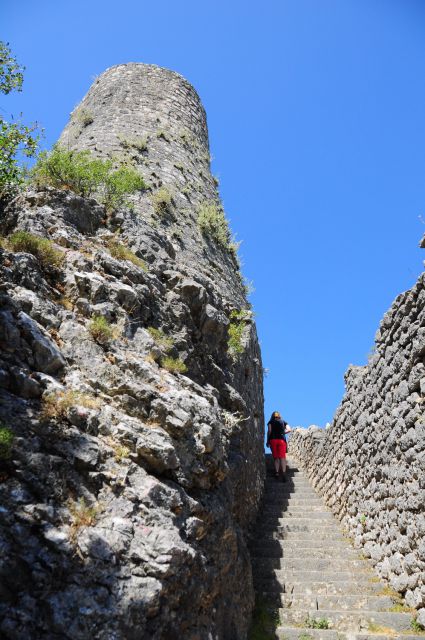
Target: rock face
370 464
129 489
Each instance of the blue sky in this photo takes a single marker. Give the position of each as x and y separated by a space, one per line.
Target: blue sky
316 120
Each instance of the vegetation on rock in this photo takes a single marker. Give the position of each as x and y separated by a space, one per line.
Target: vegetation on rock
6 442
173 365
41 248
235 332
164 342
137 142
213 224
101 330
83 515
57 405
161 201
78 171
119 251
84 117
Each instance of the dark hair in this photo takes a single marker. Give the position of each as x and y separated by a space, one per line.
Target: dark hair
277 417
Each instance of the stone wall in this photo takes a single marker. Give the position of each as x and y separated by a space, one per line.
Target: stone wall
369 465
129 489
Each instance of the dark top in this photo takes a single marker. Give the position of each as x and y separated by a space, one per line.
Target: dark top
277 429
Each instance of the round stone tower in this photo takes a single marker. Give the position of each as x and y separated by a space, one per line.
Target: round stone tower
153 119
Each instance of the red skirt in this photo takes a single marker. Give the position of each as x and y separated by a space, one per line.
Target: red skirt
278 448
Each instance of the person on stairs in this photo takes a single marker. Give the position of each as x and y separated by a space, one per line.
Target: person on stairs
276 441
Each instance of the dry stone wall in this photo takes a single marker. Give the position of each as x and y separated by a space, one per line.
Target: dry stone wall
129 489
370 463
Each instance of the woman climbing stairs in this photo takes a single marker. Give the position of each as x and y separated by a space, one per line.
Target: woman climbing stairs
310 582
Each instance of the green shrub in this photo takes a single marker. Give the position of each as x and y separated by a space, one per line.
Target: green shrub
101 330
17 141
213 223
235 333
164 342
174 365
118 185
316 623
162 201
73 170
41 248
78 171
416 627
6 442
121 252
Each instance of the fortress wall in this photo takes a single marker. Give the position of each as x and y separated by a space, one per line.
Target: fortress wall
369 465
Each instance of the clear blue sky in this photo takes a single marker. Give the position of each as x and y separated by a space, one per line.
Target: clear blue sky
316 120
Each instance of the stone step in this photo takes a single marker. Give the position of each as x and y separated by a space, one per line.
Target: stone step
292 507
279 549
297 525
291 514
313 564
300 535
289 482
369 621
297 633
310 576
339 602
279 486
292 543
297 504
280 492
340 587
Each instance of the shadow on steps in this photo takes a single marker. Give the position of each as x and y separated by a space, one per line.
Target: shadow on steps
267 543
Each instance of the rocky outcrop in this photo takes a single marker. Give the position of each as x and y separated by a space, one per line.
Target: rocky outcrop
370 464
130 485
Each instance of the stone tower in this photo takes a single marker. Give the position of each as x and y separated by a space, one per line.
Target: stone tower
154 119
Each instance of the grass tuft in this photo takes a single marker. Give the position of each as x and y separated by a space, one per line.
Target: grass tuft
82 515
173 365
41 248
162 201
416 627
136 142
84 117
164 342
56 405
119 251
213 223
235 346
102 330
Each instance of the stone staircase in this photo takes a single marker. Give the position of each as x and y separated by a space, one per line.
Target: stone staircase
310 582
